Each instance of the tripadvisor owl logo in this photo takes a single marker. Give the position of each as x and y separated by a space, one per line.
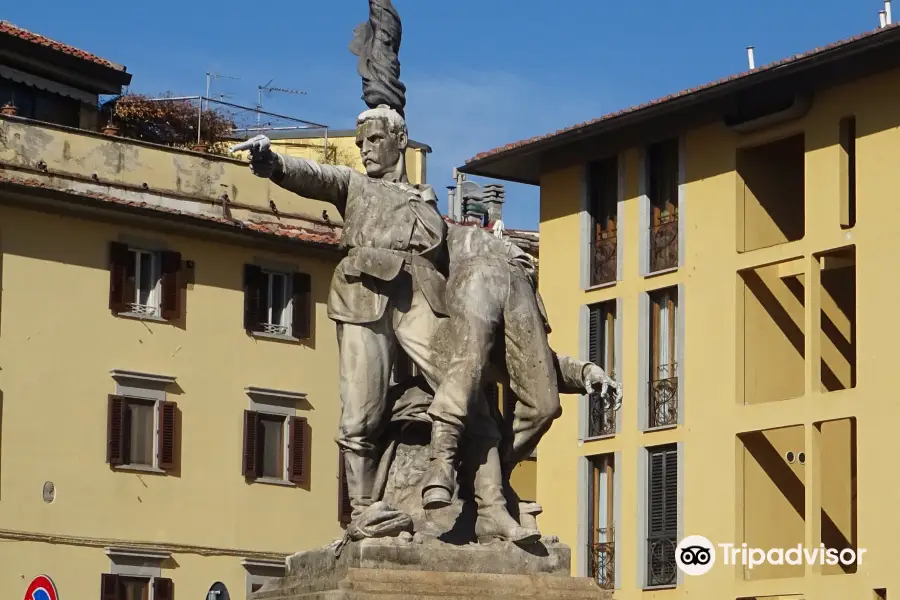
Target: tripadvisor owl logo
695 555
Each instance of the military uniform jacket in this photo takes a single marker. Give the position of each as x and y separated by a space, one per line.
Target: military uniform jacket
388 227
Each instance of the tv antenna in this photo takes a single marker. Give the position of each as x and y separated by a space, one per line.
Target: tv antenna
209 77
269 88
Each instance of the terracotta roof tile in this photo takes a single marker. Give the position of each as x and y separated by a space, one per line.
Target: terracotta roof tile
271 228
681 94
9 29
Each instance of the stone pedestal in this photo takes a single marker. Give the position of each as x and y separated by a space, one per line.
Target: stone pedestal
402 568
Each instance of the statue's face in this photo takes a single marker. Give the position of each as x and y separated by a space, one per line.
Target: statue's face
379 148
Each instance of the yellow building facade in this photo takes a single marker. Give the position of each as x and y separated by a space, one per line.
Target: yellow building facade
168 372
720 251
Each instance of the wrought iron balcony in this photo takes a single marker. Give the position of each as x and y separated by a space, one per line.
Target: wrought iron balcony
602 418
661 566
602 560
604 263
664 245
664 402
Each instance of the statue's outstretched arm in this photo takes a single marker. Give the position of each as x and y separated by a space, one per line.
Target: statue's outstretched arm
311 179
307 178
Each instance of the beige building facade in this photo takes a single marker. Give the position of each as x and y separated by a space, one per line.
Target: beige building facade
721 251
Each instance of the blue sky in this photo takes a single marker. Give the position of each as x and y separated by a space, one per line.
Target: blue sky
479 73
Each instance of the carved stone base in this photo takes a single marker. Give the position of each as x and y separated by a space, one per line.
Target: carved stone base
425 569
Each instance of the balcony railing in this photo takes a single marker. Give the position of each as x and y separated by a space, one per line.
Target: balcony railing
661 566
664 245
602 560
604 263
664 402
602 418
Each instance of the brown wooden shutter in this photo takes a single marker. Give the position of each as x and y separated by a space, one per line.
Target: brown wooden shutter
252 455
297 450
170 271
167 414
119 262
115 431
109 586
345 509
163 589
253 283
301 322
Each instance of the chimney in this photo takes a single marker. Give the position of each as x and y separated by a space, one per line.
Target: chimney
887 12
451 202
494 196
882 19
750 57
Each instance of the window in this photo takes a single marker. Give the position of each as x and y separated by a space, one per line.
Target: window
663 377
144 283
141 433
601 552
662 515
662 180
404 368
277 303
345 509
125 587
848 171
602 352
275 447
603 190
40 105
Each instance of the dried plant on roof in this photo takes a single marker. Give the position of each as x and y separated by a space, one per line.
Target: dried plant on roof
168 122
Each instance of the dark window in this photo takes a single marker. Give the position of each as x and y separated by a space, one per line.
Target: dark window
269 440
603 186
602 352
141 432
602 544
277 303
662 515
32 103
663 376
662 179
145 282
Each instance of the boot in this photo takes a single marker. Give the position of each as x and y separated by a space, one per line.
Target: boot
360 471
494 520
440 479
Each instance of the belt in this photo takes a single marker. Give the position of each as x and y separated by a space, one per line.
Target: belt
416 260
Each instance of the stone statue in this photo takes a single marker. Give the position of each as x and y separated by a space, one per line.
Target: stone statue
494 305
389 289
486 323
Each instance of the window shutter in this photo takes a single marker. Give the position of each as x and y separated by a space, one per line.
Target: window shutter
297 451
163 589
109 586
663 517
301 322
170 270
345 509
251 445
166 445
253 276
119 260
115 431
594 328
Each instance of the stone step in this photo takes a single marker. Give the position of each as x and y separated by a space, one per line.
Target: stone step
364 584
429 584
